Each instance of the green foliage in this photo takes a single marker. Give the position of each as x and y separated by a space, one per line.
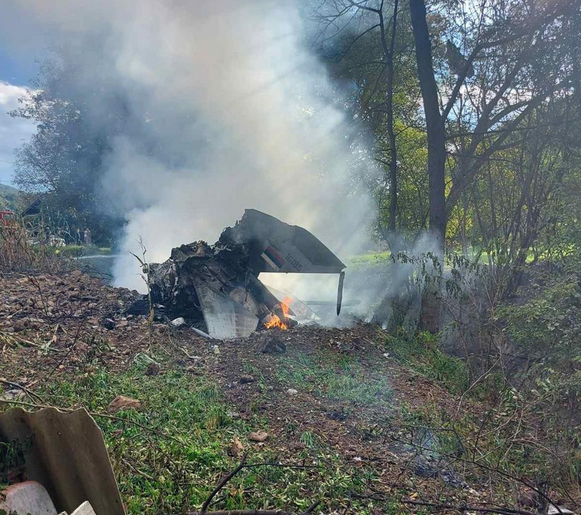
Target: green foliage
334 378
549 320
421 353
368 260
63 161
9 197
547 328
80 250
12 457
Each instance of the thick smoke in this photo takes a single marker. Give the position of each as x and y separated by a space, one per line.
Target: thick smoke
222 107
225 108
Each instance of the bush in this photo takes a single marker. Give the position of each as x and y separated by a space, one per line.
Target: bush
421 353
18 254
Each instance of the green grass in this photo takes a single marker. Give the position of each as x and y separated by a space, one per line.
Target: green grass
188 408
421 353
79 250
174 466
336 377
368 260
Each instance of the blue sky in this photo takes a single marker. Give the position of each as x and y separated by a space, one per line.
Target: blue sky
17 68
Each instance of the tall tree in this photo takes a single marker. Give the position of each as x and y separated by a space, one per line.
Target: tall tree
435 122
367 43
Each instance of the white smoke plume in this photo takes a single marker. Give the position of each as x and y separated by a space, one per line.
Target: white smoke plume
237 113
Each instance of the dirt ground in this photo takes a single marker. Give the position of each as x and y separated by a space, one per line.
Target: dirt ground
338 388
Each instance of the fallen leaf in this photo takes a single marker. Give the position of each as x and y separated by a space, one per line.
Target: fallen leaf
258 436
121 403
235 448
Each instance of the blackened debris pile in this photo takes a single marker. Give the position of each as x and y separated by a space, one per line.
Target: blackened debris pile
217 286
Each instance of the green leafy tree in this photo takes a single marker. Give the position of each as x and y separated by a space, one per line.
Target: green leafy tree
64 160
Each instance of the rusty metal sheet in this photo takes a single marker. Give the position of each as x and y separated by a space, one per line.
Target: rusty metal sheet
68 457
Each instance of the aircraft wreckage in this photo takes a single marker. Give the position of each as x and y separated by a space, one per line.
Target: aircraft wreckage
216 287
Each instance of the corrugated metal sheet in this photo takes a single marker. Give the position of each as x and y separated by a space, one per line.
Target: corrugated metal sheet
68 457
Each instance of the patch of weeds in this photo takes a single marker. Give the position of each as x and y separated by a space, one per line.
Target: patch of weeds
173 467
356 388
12 457
300 370
309 439
430 440
253 370
291 428
332 376
421 353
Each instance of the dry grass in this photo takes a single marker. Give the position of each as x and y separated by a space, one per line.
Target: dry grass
19 254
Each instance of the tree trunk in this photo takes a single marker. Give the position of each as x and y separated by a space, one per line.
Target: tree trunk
390 124
431 301
434 121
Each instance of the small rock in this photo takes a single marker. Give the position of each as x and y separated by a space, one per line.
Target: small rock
121 403
236 448
178 322
216 350
108 323
274 346
245 379
258 436
292 391
152 369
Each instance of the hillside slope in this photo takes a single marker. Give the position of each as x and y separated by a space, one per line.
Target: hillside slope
8 197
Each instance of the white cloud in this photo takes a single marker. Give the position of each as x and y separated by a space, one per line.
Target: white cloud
13 131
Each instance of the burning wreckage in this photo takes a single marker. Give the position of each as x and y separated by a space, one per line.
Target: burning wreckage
216 287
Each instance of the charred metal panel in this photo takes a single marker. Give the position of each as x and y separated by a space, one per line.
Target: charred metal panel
225 318
276 246
217 285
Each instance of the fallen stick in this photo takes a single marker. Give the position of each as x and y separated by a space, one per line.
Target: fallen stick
222 483
202 333
463 508
228 477
28 392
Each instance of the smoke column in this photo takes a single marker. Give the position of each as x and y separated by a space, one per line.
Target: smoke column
225 108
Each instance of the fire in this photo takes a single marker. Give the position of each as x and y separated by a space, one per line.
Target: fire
275 320
285 306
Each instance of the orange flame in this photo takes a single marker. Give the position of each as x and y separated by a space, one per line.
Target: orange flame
275 320
285 306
